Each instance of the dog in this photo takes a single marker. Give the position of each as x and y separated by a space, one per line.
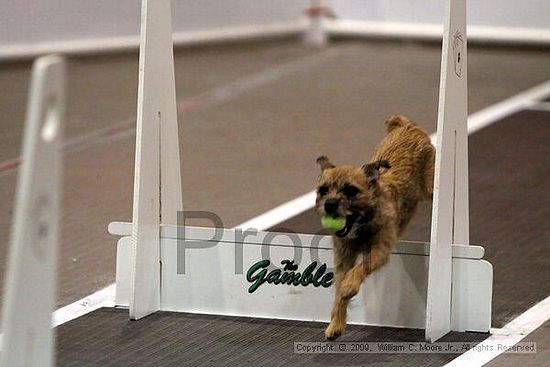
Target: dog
377 201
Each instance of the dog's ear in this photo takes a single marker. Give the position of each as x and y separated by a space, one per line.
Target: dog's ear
372 170
324 162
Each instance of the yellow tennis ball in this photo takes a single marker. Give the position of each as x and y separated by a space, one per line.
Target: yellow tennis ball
333 223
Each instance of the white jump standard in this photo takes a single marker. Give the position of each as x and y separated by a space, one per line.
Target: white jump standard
441 286
30 285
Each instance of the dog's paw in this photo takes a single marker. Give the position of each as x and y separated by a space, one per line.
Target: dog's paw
333 331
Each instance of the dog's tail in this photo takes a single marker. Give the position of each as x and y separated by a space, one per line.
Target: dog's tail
395 121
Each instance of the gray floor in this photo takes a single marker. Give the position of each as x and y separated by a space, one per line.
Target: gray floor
251 151
262 139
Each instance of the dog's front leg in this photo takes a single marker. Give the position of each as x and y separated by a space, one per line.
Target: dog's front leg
377 257
344 263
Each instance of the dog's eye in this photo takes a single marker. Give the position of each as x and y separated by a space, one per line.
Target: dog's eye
350 191
323 190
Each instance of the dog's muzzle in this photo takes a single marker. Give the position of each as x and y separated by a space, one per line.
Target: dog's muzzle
350 221
331 206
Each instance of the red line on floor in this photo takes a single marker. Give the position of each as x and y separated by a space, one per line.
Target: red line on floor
9 164
184 106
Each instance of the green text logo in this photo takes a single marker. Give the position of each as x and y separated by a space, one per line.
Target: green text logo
257 274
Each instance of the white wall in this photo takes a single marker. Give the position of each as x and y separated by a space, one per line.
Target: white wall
31 27
34 21
495 13
40 23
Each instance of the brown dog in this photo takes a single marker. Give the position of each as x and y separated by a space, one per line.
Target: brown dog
378 200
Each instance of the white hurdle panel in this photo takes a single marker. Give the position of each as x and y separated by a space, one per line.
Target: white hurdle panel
440 286
202 273
30 291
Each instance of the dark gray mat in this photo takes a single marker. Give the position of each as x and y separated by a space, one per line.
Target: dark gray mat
107 338
509 210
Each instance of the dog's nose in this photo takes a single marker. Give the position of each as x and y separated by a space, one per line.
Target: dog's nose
331 205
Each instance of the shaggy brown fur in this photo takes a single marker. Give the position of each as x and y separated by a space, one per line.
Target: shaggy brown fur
378 200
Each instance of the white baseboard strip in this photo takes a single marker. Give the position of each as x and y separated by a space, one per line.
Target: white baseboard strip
434 32
131 43
339 28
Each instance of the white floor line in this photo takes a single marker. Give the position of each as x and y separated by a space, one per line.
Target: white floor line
510 334
102 298
487 116
539 106
281 213
476 121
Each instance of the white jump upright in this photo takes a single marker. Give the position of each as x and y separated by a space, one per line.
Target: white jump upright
316 34
30 287
442 286
157 164
450 221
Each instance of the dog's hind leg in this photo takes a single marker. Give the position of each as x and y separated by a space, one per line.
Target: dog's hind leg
429 167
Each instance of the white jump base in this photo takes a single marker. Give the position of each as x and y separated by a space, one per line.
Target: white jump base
395 296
